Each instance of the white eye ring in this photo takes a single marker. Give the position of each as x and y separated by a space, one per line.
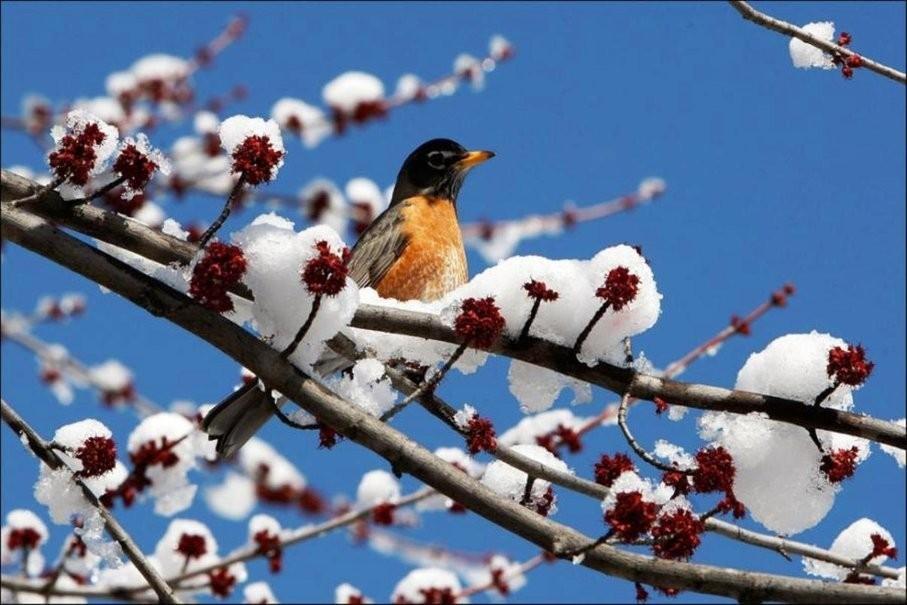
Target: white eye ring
436 159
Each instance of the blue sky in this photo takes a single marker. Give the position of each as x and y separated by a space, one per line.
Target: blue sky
774 174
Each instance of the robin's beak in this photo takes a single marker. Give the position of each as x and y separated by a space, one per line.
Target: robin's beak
473 158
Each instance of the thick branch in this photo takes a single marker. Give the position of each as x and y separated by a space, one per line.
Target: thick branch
783 27
404 454
41 449
140 239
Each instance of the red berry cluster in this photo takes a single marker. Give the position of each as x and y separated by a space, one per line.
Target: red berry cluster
846 63
315 205
437 596
714 472
480 322
609 468
97 455
562 435
620 288
220 269
631 516
740 325
779 298
543 505
114 200
75 155
135 166
192 546
362 113
499 582
881 547
255 158
124 394
269 546
480 435
147 455
25 538
221 582
307 499
661 406
849 366
327 436
676 535
540 291
839 464
325 273
383 514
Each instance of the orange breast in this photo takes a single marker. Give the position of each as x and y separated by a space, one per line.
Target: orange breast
434 262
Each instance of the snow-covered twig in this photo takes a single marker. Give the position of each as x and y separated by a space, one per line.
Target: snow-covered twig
42 449
788 29
633 443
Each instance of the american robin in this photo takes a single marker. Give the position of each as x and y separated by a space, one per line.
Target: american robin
412 251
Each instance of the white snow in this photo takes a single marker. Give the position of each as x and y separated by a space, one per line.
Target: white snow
805 55
258 454
368 388
313 121
537 425
537 388
629 481
471 68
854 543
411 586
76 121
377 487
365 192
349 89
895 452
408 86
344 591
275 256
111 375
335 214
510 482
236 129
773 459
173 562
498 46
159 67
234 498
262 522
258 592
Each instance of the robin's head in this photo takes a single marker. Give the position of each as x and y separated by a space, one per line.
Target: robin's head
436 168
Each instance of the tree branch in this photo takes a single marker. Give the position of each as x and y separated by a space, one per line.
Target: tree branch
36 234
145 241
41 449
788 29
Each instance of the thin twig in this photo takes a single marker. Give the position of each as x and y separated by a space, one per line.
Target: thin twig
316 304
41 448
38 193
783 27
224 213
586 330
631 440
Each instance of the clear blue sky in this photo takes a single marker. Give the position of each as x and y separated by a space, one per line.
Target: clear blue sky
773 174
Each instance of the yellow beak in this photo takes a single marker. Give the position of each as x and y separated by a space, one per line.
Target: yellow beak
474 158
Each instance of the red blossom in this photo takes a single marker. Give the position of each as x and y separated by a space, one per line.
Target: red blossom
499 582
316 204
123 394
562 435
849 366
544 504
881 546
631 516
844 39
98 455
480 435
620 288
740 325
383 514
438 596
135 166
661 406
192 546
642 595
839 464
714 471
779 298
114 200
609 468
325 273
310 501
76 155
540 291
25 538
269 545
480 322
50 375
677 535
147 455
216 273
327 436
854 61
256 159
221 582
362 217
847 72
678 480
730 504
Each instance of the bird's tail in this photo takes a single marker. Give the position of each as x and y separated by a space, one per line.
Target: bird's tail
234 421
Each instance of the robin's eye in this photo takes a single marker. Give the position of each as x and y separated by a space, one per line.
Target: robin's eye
436 160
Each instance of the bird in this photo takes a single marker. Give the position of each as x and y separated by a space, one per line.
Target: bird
411 251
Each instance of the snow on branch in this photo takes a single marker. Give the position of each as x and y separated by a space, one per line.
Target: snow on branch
49 457
836 51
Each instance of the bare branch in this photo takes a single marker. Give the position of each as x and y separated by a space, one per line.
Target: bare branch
788 29
405 455
42 449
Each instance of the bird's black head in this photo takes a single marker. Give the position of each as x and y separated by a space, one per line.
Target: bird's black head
436 168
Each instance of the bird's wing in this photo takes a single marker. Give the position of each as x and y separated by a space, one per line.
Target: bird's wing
377 249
